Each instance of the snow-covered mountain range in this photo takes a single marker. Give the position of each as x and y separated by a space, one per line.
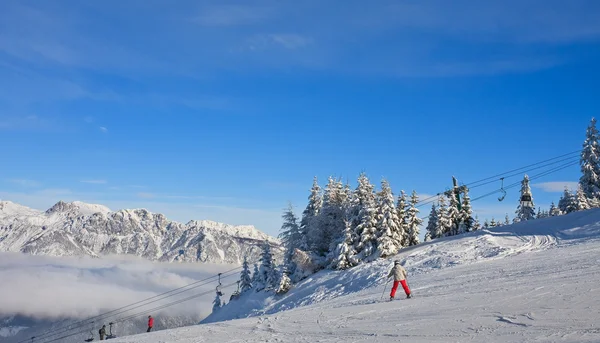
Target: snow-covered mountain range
78 229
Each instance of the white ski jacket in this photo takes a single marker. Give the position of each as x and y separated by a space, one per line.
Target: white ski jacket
398 272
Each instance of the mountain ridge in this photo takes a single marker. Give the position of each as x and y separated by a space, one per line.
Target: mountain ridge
77 228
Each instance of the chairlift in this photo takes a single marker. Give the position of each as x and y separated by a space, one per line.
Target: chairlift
110 333
91 333
236 294
502 190
526 198
218 288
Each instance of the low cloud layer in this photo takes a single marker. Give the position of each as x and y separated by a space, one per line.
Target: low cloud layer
69 287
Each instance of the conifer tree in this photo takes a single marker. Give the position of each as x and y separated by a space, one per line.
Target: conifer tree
267 271
245 278
493 222
217 303
567 202
525 210
344 255
388 222
366 231
290 235
256 279
476 224
506 220
432 224
329 224
444 224
581 200
466 213
413 221
486 224
590 165
453 216
285 283
315 204
401 209
554 211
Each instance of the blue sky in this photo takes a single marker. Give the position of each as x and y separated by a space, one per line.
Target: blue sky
225 110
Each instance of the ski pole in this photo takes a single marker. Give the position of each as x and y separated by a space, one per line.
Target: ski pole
384 287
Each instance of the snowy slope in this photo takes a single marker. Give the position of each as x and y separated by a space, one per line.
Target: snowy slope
76 229
529 282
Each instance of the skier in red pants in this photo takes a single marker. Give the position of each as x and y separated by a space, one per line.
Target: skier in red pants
399 274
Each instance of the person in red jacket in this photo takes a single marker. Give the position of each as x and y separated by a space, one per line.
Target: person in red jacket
150 323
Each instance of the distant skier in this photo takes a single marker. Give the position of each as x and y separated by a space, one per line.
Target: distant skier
102 332
150 323
399 274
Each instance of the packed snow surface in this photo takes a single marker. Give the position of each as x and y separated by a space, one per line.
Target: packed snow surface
530 282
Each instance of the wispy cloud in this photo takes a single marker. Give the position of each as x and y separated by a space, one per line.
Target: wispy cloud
103 129
97 181
24 182
556 186
146 195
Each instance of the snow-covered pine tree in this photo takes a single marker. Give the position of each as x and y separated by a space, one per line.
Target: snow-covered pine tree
285 283
401 209
466 213
366 231
290 235
476 224
413 222
453 215
567 202
245 278
432 224
388 223
444 223
590 165
267 271
493 222
554 211
486 224
217 303
257 283
344 255
525 210
538 215
329 225
581 200
315 204
506 220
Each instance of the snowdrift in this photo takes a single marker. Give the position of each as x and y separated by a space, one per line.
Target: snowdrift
484 245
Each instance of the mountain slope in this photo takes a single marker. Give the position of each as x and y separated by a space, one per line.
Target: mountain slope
76 228
528 282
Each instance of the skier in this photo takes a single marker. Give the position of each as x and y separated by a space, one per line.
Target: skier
150 323
102 332
399 274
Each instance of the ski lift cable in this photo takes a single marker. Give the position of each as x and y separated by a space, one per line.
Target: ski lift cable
534 177
570 159
123 309
433 199
170 304
527 166
141 312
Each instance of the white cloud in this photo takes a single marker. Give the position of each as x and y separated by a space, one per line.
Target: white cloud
103 129
556 186
98 182
83 287
24 182
146 195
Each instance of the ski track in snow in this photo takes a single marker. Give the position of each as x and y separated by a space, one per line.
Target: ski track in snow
529 282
